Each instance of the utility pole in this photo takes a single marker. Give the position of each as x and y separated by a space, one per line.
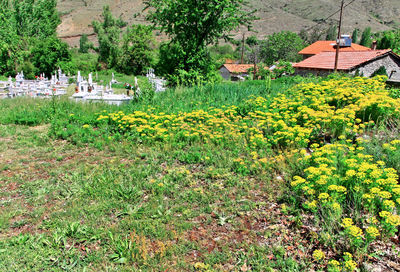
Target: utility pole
338 38
242 59
255 65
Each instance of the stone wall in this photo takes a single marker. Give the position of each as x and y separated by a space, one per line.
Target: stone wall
225 73
306 72
391 64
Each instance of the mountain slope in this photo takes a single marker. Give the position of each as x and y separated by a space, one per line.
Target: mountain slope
275 15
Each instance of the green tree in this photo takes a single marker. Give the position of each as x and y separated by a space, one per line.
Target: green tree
24 24
389 40
170 56
137 51
226 50
331 34
48 53
315 35
84 44
354 36
366 37
284 45
283 68
108 34
10 50
304 35
36 18
193 24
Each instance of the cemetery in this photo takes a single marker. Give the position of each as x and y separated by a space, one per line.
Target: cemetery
85 89
41 87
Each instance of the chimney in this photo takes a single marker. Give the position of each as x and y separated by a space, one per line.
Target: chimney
373 46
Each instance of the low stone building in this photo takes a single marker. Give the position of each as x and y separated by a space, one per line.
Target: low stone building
363 63
235 72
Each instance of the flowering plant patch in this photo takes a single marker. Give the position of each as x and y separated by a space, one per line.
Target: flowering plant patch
358 195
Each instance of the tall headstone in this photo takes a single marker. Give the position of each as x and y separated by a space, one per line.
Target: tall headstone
137 89
113 79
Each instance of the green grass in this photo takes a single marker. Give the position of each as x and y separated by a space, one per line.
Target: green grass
122 205
65 207
129 206
28 111
217 95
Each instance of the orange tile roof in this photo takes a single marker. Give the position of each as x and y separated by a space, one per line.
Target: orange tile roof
330 46
238 68
347 60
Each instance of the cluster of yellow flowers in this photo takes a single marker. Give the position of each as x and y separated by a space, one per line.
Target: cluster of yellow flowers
318 255
392 146
339 174
347 265
372 232
291 119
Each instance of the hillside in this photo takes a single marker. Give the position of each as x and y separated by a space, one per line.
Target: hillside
275 15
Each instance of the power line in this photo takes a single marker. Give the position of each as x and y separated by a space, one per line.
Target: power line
330 16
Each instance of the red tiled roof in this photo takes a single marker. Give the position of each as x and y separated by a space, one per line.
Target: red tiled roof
347 60
330 46
238 68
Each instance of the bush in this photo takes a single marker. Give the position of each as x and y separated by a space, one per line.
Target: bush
381 71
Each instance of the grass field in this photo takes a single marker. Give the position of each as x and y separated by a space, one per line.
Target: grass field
79 193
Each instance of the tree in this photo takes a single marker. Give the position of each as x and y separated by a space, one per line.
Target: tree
223 50
108 34
304 35
137 51
253 52
193 24
23 25
48 53
10 53
170 59
354 36
36 18
84 44
366 37
283 68
389 40
284 45
331 34
315 35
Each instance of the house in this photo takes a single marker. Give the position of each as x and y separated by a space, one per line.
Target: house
364 63
235 72
345 44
